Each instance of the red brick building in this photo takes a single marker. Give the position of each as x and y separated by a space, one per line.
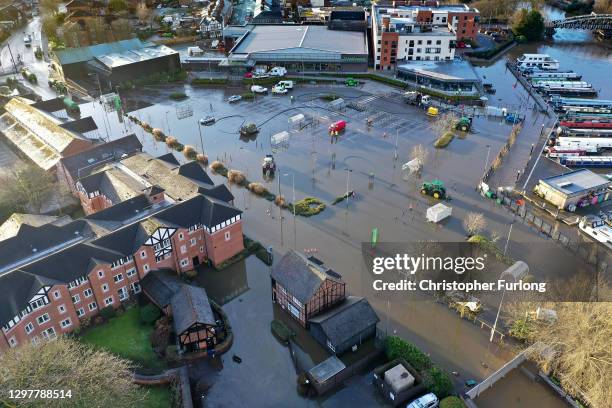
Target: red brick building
304 287
52 278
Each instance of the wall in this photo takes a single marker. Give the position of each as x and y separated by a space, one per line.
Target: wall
219 248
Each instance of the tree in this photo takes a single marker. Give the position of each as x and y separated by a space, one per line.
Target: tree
603 6
97 29
529 24
581 357
121 29
144 14
474 223
439 382
117 5
49 6
26 188
444 123
49 26
419 152
95 378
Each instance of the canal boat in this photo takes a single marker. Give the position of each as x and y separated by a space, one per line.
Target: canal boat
558 152
597 229
578 132
540 75
590 144
587 161
586 123
541 61
553 83
581 105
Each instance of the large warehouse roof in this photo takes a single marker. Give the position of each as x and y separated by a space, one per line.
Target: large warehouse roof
83 54
264 38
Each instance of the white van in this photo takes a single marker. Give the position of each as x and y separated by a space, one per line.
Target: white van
285 84
278 71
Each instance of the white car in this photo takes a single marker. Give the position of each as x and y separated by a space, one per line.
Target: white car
279 90
597 229
286 84
259 89
207 121
278 71
234 98
426 401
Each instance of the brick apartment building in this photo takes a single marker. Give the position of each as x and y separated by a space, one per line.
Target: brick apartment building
54 277
411 31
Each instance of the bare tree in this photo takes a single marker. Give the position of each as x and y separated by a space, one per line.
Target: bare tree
581 346
419 152
95 378
474 223
603 6
443 123
121 29
26 188
97 29
144 13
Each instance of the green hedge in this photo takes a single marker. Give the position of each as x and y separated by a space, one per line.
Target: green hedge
395 347
452 402
209 81
439 382
177 96
108 312
149 314
308 206
444 140
281 331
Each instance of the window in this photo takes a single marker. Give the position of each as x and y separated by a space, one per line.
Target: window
294 311
43 318
105 287
61 309
419 42
184 262
181 236
76 298
38 303
88 293
428 42
118 278
183 249
108 301
29 328
57 294
80 312
131 272
297 302
331 346
123 294
92 306
283 290
65 323
13 341
135 287
227 235
146 267
438 42
100 274
49 333
193 241
143 255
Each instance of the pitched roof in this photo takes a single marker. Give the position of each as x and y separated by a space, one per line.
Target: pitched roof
211 212
17 288
190 305
125 241
346 320
299 276
220 192
170 159
82 164
161 285
123 211
114 184
195 171
13 224
82 125
50 105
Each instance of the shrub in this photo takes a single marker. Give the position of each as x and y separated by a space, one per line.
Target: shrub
444 140
158 134
308 206
218 168
202 158
452 402
108 312
149 314
190 152
257 188
236 177
248 96
171 141
281 202
191 274
281 331
439 382
395 347
177 96
329 97
209 81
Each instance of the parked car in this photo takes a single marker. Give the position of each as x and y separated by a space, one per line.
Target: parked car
248 75
426 401
279 90
337 127
259 75
207 121
278 71
234 98
27 40
259 89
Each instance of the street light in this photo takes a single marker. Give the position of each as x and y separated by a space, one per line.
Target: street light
293 201
486 162
517 271
167 123
200 132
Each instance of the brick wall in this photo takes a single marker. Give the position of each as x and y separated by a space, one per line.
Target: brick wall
225 243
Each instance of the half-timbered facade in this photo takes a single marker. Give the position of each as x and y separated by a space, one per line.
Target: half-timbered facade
304 287
71 282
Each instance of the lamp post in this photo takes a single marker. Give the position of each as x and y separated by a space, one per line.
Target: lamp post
486 162
167 123
200 132
280 211
517 271
293 201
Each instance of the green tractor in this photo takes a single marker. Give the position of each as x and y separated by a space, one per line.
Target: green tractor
351 82
464 124
434 189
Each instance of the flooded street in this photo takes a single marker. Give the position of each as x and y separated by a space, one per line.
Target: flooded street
364 159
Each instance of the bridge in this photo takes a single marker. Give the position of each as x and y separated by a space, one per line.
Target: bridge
586 22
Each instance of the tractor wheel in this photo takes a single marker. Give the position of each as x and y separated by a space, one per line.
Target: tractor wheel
423 191
464 128
436 195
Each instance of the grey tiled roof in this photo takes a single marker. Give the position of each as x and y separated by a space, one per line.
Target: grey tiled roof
161 285
190 305
346 320
299 276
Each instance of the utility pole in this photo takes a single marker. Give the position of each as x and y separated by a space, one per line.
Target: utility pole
280 210
486 162
293 201
396 140
201 138
12 59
